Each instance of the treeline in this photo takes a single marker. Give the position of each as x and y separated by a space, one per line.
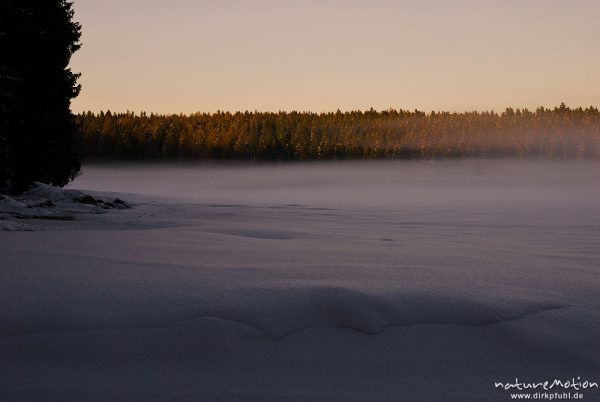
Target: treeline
560 132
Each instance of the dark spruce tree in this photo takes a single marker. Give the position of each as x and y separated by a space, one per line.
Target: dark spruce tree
38 136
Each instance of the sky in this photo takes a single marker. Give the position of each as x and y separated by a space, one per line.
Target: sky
185 56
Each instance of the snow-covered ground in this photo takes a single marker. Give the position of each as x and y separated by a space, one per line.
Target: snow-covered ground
374 281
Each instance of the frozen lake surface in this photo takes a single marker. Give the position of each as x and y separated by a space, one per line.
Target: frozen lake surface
354 281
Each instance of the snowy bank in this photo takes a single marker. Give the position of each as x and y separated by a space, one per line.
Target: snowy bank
51 203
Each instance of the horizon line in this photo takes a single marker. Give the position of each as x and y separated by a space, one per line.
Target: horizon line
390 109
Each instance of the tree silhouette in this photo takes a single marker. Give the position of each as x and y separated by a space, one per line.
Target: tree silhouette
38 136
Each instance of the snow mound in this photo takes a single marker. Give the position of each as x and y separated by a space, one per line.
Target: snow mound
51 203
279 314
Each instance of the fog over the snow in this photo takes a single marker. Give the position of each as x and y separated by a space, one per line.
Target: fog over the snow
379 184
